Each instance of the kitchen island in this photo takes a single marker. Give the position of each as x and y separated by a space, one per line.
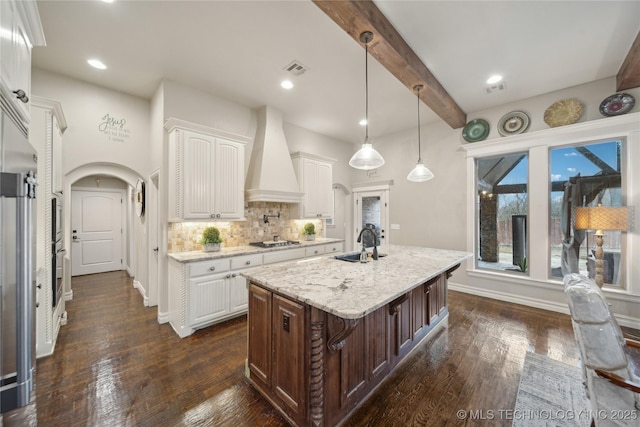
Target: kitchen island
323 333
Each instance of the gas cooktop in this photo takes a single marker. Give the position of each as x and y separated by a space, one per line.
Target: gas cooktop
274 243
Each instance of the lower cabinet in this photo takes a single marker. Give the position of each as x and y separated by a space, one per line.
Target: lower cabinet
276 357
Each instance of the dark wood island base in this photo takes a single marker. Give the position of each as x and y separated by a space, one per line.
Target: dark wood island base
315 367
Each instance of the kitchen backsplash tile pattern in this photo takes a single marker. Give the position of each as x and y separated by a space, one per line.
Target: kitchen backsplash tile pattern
185 236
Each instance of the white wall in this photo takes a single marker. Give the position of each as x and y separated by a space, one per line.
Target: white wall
85 107
94 145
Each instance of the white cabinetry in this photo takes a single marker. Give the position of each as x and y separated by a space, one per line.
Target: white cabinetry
21 30
49 124
206 292
206 173
315 177
202 293
45 134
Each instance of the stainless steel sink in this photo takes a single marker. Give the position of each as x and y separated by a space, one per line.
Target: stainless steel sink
354 257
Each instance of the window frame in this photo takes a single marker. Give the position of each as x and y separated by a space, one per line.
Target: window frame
538 144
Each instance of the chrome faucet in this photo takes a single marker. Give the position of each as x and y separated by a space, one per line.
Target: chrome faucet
375 240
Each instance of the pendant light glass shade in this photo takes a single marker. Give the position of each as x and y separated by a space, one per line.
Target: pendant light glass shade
420 173
366 158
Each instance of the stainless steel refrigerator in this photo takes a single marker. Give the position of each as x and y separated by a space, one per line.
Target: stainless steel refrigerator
18 163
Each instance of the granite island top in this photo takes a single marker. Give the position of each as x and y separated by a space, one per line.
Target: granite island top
191 256
352 290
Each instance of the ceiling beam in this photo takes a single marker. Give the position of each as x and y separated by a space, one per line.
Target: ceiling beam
390 49
629 74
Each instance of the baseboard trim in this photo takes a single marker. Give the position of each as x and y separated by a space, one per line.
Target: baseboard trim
145 299
624 320
163 317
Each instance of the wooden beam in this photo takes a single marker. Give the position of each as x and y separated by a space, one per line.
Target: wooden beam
390 49
629 74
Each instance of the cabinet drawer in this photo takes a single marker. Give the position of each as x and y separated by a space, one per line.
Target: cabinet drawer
208 267
286 255
333 247
246 261
314 250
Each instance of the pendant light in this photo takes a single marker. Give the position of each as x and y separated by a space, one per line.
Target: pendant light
366 157
420 173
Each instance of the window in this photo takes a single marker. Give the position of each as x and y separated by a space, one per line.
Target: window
585 175
602 151
502 210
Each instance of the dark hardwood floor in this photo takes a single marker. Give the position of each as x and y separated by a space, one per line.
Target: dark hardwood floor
114 365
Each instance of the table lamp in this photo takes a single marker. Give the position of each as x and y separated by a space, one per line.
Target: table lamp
601 218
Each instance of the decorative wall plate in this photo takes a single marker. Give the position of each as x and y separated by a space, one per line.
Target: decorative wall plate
139 201
475 130
513 123
563 112
614 105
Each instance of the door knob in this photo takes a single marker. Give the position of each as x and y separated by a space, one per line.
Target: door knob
156 250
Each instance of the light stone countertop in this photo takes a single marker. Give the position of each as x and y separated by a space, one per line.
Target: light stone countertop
191 256
352 290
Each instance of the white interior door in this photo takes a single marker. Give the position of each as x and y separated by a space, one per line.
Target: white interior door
372 207
96 231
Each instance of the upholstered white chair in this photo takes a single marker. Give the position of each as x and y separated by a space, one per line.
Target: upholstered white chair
610 368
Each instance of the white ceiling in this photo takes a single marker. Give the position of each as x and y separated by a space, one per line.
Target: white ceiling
238 50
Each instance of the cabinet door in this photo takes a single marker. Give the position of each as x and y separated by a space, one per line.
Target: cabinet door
238 294
310 188
198 161
15 49
229 180
287 375
209 298
325 190
259 319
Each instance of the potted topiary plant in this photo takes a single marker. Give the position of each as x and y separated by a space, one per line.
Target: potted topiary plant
309 231
211 239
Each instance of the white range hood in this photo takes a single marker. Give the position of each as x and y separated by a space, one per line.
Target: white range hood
271 177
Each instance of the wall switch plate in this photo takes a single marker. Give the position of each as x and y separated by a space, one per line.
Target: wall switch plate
395 226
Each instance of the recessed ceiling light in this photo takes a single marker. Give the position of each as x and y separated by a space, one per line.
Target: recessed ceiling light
494 79
96 63
287 84
363 122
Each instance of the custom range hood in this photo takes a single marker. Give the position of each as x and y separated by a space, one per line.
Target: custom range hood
271 177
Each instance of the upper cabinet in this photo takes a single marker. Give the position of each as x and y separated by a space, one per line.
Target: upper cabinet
21 30
48 124
315 177
206 173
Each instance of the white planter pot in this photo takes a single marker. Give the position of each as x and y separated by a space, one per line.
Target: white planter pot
309 237
211 247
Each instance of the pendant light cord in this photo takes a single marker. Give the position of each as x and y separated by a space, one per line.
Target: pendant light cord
366 91
419 153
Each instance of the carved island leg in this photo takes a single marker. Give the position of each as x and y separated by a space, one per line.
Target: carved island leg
316 386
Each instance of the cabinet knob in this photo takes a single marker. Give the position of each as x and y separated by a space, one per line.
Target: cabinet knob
315 252
212 215
21 95
212 268
218 216
248 262
228 276
233 275
39 286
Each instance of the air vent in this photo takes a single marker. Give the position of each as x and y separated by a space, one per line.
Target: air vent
296 68
495 88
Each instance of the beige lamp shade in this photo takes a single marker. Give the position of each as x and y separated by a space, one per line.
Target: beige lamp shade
602 218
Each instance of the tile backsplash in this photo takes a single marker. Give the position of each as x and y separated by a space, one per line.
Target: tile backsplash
185 236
